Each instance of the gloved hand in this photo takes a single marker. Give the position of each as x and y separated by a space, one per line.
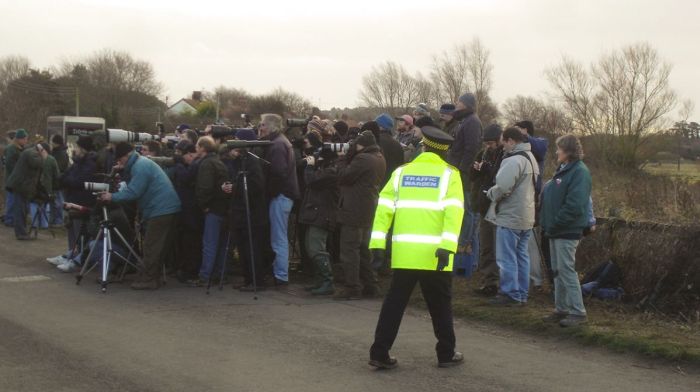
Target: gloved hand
443 256
378 256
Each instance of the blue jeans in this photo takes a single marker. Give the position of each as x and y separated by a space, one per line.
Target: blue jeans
213 242
513 261
39 218
466 259
9 201
56 216
280 207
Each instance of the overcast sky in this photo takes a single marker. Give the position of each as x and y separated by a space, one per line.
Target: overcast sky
321 49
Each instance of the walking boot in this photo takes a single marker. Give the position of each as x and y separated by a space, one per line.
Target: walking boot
326 288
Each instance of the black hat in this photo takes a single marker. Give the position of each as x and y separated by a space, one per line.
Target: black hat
425 121
121 149
371 126
447 108
436 139
492 133
341 127
85 142
366 139
185 146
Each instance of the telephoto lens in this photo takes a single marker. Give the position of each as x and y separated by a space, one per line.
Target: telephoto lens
96 187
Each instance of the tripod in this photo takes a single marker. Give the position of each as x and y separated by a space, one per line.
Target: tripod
243 174
105 234
39 216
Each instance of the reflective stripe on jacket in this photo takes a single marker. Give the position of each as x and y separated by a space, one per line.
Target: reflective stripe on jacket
425 201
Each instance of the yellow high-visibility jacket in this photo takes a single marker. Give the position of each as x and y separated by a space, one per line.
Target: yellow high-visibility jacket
425 201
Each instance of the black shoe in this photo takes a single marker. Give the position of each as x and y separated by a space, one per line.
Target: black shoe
197 282
281 283
504 300
25 237
457 359
486 291
371 291
389 363
554 317
347 295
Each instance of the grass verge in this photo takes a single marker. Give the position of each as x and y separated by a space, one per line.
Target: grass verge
612 325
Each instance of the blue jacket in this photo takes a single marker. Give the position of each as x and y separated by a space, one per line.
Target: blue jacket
538 148
150 186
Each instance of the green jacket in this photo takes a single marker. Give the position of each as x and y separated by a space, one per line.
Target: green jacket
565 198
50 175
211 174
11 154
24 179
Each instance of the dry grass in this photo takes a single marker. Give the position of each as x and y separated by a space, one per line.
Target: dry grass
611 324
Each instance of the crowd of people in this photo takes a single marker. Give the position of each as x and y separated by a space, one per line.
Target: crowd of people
357 201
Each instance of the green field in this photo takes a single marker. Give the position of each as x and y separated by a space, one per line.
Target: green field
688 170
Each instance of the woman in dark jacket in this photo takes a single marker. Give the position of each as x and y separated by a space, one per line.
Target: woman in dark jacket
564 217
189 244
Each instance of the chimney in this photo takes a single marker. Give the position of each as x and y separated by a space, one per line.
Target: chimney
197 96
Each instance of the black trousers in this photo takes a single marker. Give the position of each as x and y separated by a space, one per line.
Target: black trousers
189 252
241 241
437 292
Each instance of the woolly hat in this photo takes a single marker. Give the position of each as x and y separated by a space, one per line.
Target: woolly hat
246 134
469 100
447 108
21 134
384 121
366 139
317 125
492 133
371 126
341 127
85 142
407 119
425 121
422 109
121 149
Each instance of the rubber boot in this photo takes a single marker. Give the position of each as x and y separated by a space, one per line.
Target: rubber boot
322 262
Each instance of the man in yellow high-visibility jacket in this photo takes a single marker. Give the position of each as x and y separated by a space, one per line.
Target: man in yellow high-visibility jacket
425 202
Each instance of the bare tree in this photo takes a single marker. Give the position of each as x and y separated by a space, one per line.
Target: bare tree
12 68
546 117
295 104
686 110
467 67
391 88
621 99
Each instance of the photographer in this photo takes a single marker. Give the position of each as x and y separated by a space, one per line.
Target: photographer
158 204
282 188
360 177
241 160
318 211
48 183
73 183
59 151
23 183
211 199
189 243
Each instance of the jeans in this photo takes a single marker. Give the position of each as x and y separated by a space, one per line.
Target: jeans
39 218
213 241
567 289
280 208
513 262
56 216
466 259
9 201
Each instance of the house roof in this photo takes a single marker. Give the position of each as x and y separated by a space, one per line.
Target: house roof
188 101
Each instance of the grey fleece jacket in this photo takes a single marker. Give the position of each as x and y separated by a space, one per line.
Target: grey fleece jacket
513 196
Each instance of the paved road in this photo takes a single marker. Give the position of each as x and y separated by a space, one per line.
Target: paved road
56 336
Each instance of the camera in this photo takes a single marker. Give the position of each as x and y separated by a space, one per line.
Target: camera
120 135
247 143
164 161
297 122
336 147
96 187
